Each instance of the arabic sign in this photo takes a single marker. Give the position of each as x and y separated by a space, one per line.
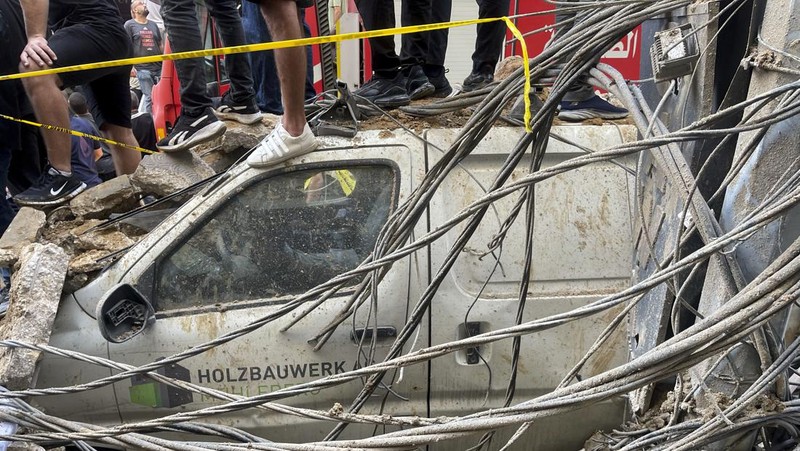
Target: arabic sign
624 55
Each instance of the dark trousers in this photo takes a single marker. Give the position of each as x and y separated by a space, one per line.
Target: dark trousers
183 30
441 11
265 71
379 14
12 34
490 36
580 90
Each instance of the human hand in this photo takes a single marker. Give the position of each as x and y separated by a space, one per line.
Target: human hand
38 52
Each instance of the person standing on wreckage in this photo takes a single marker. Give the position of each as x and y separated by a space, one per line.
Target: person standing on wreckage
82 32
198 122
292 137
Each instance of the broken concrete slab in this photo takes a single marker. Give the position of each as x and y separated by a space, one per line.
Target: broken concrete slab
165 173
117 195
242 137
108 239
25 229
238 139
88 262
35 292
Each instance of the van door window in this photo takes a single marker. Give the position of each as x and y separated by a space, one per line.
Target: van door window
281 235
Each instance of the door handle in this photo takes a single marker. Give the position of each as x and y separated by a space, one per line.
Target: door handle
383 333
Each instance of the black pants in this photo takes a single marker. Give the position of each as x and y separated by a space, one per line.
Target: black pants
580 90
418 48
490 36
12 35
183 30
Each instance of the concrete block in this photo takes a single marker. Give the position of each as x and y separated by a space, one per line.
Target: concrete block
238 139
165 173
35 292
239 136
24 229
117 195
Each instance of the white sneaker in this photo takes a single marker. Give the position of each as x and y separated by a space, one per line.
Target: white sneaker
280 146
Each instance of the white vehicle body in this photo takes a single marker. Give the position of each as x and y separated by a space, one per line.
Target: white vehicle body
582 247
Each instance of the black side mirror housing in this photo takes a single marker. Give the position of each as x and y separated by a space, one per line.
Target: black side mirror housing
123 313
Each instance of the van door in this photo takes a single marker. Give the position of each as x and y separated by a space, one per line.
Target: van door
263 239
582 250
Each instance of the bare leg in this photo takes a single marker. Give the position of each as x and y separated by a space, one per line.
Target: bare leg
50 108
284 24
126 160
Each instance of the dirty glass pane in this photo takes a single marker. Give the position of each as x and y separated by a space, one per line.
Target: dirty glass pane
281 235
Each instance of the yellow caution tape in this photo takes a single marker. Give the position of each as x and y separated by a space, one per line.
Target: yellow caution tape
527 89
345 178
270 46
75 133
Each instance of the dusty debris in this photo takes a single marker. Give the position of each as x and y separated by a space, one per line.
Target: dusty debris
85 263
25 229
165 173
108 239
507 67
117 195
242 137
35 292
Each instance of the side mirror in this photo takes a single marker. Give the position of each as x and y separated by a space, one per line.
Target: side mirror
123 313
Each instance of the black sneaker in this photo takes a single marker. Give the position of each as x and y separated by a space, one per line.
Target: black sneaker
441 85
190 131
477 80
245 113
417 84
51 189
385 92
592 108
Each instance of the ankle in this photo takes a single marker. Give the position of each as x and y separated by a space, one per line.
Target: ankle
294 128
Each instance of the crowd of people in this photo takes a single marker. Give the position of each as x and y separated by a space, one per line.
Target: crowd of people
59 33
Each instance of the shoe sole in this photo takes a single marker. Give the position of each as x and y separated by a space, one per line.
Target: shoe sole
470 88
392 103
442 92
246 119
259 165
423 91
206 133
583 115
51 203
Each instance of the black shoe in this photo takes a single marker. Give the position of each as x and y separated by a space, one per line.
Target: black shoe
385 92
518 109
592 108
245 113
190 131
441 85
51 189
417 83
477 80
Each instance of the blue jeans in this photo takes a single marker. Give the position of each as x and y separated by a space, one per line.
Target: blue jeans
146 82
265 72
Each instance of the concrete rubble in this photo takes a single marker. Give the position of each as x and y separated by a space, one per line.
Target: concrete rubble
75 228
26 228
35 292
117 195
165 173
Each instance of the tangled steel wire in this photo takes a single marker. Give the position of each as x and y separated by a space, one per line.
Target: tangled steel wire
747 316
